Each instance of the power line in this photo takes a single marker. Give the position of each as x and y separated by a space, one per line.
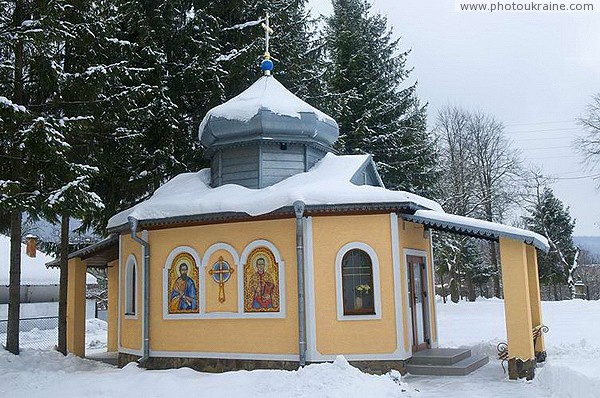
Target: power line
554 157
578 177
542 130
547 147
534 123
538 139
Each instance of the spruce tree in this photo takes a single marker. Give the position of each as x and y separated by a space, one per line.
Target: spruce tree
39 168
550 218
294 45
377 110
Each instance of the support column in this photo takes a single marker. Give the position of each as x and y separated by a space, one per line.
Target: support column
76 307
517 309
113 290
535 301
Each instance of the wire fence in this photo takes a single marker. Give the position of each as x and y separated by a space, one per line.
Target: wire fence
38 332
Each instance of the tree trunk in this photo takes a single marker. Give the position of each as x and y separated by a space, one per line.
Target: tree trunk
62 299
443 290
470 287
14 290
454 290
560 293
555 292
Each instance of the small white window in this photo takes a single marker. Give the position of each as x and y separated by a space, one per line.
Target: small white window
130 286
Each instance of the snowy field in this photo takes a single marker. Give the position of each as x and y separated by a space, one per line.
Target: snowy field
572 369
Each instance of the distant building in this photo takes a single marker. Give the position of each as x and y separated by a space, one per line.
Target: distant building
38 283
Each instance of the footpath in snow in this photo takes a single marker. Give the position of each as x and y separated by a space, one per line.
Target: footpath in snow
572 369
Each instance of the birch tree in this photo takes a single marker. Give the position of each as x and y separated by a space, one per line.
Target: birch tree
589 144
478 172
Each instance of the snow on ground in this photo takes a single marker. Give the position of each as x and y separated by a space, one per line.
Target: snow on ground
572 369
572 344
48 374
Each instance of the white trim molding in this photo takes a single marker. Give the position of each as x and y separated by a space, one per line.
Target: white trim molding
220 246
400 302
309 287
434 339
131 271
120 286
338 282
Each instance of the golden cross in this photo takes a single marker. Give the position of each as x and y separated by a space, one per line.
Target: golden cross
268 31
223 275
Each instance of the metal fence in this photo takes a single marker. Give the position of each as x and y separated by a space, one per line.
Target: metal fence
38 332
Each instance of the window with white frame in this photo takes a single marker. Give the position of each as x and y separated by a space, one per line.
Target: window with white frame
130 287
357 283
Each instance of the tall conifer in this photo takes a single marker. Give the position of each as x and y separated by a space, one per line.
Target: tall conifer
371 99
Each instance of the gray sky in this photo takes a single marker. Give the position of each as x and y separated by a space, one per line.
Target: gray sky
535 72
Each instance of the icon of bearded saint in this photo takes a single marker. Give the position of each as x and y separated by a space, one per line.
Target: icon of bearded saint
261 293
183 296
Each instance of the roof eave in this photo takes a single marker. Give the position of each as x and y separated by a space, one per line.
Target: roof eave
477 232
283 212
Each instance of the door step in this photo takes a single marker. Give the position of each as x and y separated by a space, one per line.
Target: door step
445 362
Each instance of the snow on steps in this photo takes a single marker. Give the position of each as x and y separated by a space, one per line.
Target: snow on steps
445 362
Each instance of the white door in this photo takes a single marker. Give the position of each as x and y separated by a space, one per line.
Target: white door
418 302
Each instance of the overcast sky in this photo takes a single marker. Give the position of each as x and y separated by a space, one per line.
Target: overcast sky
535 72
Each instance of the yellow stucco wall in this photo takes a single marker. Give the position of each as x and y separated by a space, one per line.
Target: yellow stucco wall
76 306
274 335
113 285
266 336
131 329
411 236
517 304
352 336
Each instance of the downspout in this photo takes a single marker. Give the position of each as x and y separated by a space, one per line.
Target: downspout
133 223
299 210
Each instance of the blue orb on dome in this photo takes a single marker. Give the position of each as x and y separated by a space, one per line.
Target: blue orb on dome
266 65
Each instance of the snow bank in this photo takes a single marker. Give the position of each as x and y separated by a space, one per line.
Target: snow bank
49 374
33 270
328 182
572 343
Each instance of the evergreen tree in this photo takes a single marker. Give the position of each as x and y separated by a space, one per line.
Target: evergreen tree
550 218
39 169
376 110
294 45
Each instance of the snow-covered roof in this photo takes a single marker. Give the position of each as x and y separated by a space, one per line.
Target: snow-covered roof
33 270
481 228
327 183
266 110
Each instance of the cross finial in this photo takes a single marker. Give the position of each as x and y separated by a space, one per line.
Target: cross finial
267 65
268 32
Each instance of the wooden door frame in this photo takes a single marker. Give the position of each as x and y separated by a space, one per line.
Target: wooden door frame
425 302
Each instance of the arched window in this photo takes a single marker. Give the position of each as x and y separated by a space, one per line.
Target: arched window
130 287
357 283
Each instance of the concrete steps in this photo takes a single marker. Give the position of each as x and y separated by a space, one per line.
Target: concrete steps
445 362
110 358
